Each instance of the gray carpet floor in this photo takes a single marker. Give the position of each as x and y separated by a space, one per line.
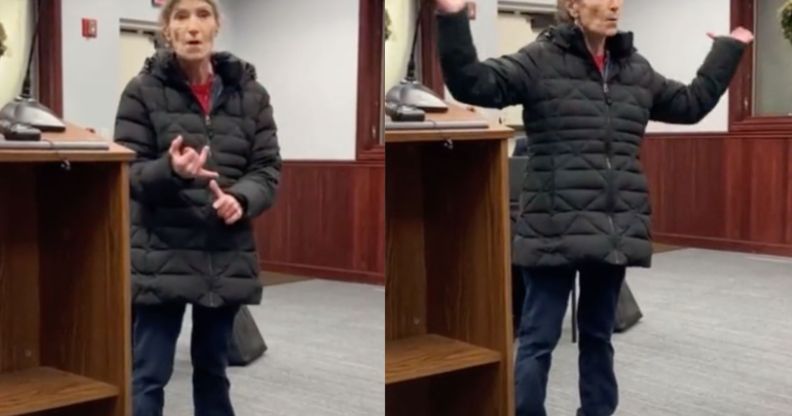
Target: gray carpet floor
326 354
715 340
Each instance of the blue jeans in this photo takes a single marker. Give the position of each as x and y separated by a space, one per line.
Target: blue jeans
547 294
155 331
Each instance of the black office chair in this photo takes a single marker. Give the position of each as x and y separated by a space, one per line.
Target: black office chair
517 166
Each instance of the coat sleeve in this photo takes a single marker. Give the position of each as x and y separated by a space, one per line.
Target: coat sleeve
257 188
493 83
151 177
674 102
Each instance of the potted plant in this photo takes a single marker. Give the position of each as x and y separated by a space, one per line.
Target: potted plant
786 20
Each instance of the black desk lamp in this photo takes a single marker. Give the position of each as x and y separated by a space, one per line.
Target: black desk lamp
2 40
26 110
411 92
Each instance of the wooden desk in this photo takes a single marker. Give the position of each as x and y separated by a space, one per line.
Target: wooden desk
115 153
64 281
448 293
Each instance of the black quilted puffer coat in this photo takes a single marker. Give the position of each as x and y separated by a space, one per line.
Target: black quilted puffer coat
585 197
181 250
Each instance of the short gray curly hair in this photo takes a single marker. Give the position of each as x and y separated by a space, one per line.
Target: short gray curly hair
562 12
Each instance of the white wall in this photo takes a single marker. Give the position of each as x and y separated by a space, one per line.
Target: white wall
17 21
677 53
306 59
305 52
138 10
143 10
90 66
485 29
485 37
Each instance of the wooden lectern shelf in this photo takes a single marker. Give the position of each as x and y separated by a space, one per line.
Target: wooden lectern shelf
448 289
44 388
429 355
65 346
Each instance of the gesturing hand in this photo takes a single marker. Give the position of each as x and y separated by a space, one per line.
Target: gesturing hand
450 6
227 207
188 163
740 33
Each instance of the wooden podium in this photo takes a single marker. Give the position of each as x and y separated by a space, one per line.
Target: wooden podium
448 293
64 281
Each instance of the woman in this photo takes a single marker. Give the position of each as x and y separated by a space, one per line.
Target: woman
587 97
207 163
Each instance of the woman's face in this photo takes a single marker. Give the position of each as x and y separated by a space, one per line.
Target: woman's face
599 17
191 30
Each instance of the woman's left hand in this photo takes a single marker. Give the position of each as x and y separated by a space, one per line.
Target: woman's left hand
740 33
227 207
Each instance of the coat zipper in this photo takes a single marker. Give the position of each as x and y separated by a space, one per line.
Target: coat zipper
210 135
209 131
213 300
208 128
608 148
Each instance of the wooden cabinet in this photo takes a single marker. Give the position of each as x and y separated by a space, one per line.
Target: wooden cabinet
448 285
64 281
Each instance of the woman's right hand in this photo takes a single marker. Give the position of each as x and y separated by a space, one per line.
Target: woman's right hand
451 6
188 163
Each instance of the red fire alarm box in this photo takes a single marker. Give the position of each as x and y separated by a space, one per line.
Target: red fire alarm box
89 28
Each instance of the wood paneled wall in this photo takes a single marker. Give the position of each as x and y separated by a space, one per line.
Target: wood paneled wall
328 222
722 191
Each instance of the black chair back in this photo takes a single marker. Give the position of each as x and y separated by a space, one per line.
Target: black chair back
517 166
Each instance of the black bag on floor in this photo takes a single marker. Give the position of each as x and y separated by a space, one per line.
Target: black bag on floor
246 343
627 312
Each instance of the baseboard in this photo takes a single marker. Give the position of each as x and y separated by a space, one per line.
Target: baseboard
724 244
320 272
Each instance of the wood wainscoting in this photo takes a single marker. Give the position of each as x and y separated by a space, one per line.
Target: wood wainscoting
721 191
724 191
328 222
